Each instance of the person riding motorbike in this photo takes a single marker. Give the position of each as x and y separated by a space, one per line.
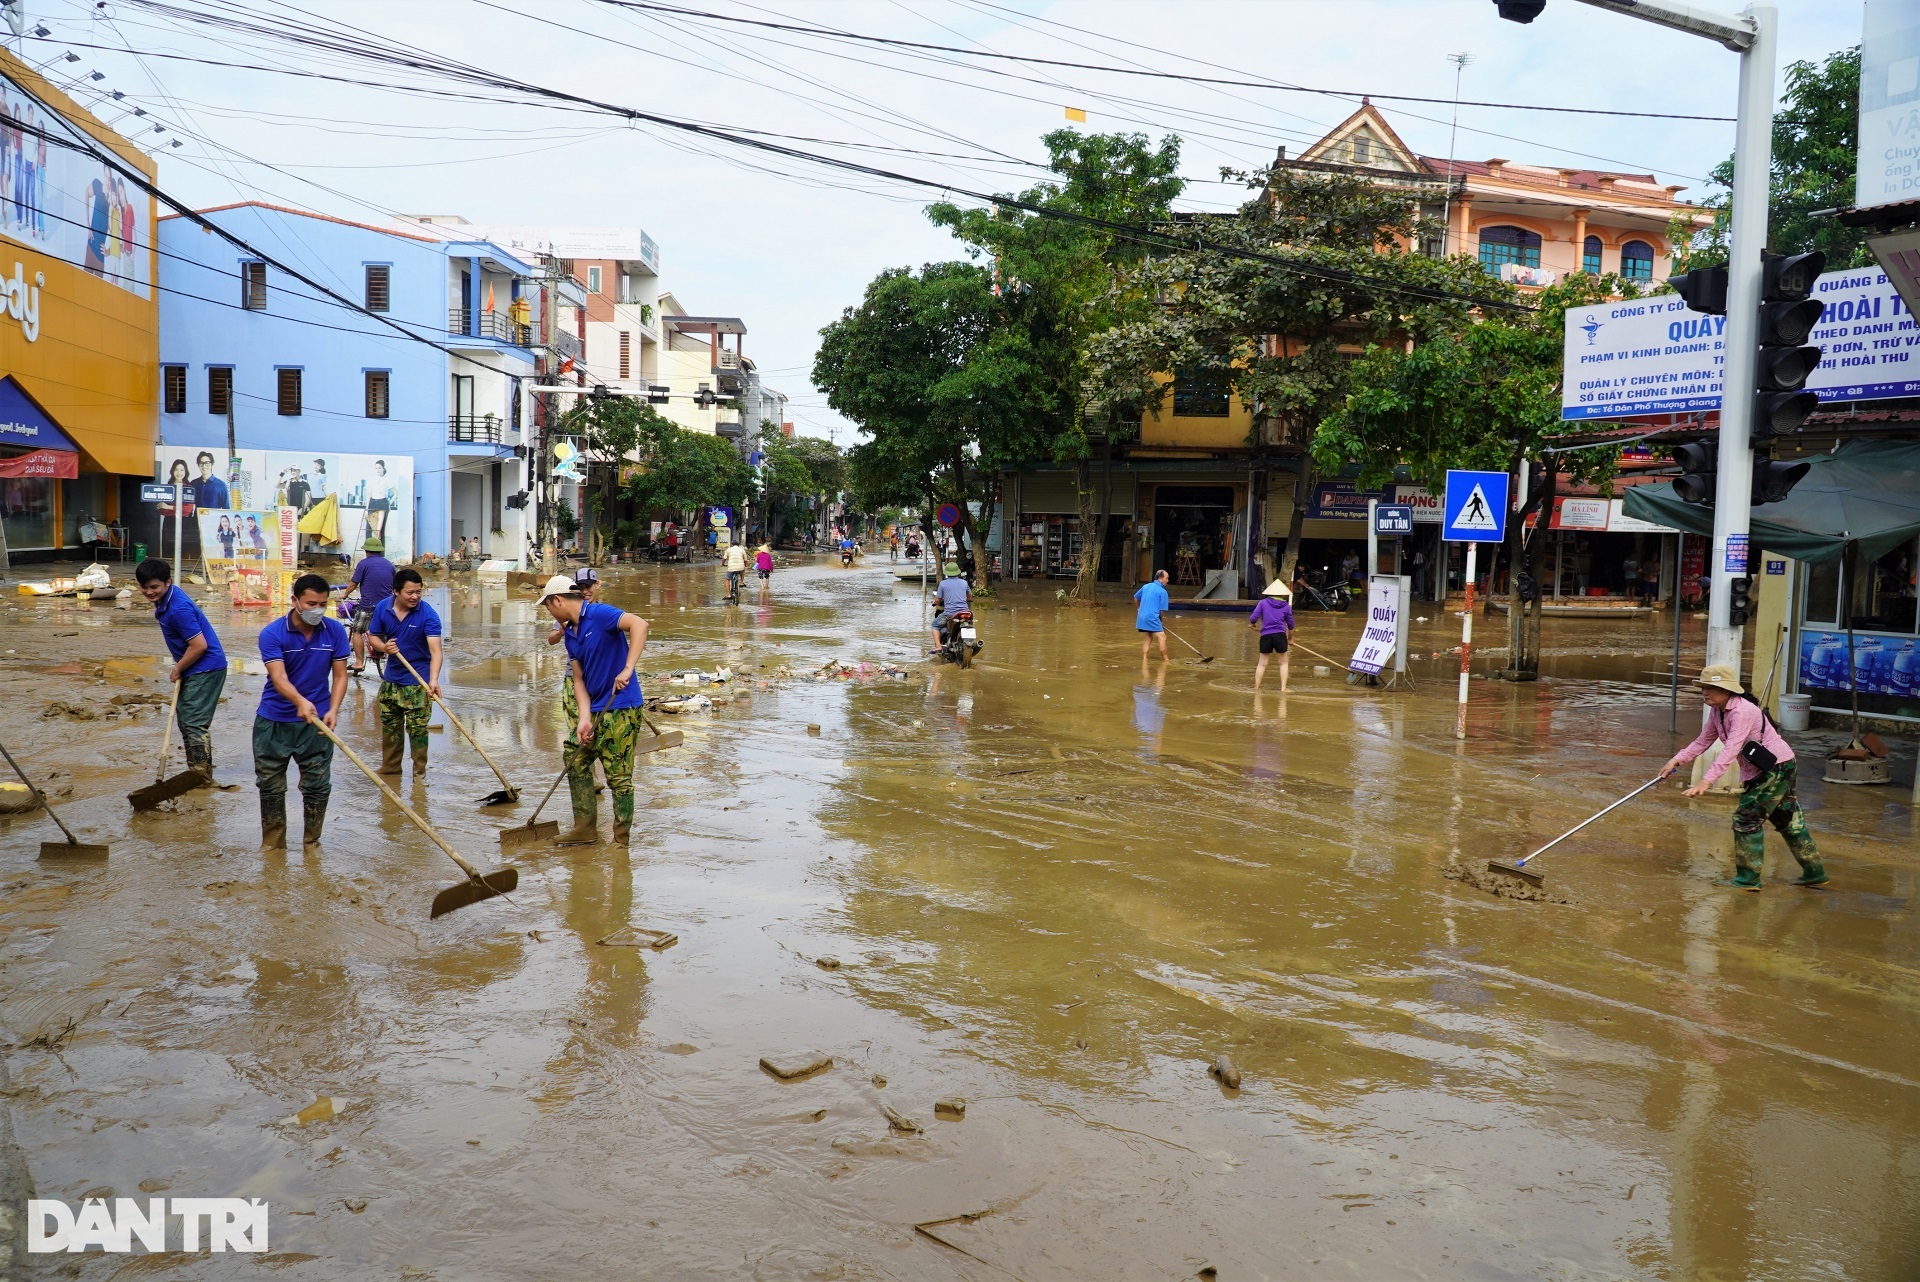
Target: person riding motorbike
953 593
847 549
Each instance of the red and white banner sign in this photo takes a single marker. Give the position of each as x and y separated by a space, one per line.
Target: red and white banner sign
58 465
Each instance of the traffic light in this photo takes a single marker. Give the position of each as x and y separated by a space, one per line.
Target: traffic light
657 393
1703 290
1772 481
1739 599
1787 317
1698 464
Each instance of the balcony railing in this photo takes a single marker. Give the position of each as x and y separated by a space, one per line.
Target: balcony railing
477 429
494 325
565 345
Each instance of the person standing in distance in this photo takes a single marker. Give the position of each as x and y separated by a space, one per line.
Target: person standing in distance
199 663
603 650
1154 602
1274 617
405 624
306 656
374 579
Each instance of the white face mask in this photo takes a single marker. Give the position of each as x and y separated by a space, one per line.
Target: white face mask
313 618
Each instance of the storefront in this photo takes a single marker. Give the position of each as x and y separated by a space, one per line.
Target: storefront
79 323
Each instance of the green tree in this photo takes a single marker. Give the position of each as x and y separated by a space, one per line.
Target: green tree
1483 396
928 365
1336 270
1816 143
679 471
608 429
1064 283
796 472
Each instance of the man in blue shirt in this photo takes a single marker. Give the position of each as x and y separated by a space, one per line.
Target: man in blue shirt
374 579
1153 601
603 649
199 664
406 624
209 491
952 593
306 656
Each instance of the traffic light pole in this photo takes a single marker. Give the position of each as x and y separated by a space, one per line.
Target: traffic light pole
1752 173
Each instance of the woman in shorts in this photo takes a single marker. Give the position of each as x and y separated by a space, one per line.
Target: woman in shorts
1274 617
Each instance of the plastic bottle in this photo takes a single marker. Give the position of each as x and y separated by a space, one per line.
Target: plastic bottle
1829 663
1866 654
1906 672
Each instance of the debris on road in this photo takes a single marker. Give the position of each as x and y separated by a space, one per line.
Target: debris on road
1224 1070
952 1106
828 963
793 1067
639 937
899 1122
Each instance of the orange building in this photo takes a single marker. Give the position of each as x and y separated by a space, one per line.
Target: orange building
79 315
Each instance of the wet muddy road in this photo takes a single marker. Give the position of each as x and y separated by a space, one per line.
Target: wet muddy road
1055 886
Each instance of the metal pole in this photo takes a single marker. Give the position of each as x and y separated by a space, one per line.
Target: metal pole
1466 641
179 516
1680 556
1373 539
1753 165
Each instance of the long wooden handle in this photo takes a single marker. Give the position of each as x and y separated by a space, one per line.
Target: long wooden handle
544 800
34 788
455 720
166 731
1315 653
394 797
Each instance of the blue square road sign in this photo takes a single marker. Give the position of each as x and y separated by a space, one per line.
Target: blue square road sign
1476 507
1392 519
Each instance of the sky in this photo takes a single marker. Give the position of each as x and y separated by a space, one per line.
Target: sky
788 245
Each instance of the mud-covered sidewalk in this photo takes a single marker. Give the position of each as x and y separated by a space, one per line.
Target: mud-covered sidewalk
1056 887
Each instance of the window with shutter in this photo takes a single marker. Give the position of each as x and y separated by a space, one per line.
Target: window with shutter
289 399
626 354
253 286
219 389
379 287
377 393
174 388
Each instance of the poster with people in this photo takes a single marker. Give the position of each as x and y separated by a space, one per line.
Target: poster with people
63 201
373 493
242 551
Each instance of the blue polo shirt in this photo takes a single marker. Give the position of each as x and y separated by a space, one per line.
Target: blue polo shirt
374 577
601 649
1152 597
309 665
180 622
412 633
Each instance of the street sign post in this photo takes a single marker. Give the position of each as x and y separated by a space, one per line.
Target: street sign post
948 515
1393 520
1475 513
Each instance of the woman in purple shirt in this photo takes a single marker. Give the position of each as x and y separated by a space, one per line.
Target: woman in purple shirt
1274 617
1768 770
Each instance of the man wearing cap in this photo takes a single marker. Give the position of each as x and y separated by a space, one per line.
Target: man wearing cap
587 583
952 593
374 579
306 656
1273 615
603 649
1767 770
404 624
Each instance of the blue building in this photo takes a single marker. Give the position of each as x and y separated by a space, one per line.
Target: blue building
309 380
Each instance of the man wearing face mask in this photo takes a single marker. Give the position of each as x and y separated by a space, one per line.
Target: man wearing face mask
306 657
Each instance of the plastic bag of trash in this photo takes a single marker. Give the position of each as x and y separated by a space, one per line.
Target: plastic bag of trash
94 576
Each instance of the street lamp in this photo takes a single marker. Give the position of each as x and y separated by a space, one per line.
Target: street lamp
1752 35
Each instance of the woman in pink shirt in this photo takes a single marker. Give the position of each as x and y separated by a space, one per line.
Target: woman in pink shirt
1767 768
763 562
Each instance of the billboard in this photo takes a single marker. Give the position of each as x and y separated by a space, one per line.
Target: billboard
1655 356
62 202
1887 169
374 491
1882 663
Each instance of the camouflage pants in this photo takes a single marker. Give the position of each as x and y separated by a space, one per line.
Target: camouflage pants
569 701
404 714
615 732
1770 799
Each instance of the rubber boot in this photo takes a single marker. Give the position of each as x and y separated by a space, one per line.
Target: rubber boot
622 817
200 760
419 762
273 822
392 752
586 814
313 817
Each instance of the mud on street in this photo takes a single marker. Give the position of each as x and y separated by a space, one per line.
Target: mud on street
1055 887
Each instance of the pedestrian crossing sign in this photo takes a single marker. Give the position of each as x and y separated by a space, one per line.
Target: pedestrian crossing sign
1476 507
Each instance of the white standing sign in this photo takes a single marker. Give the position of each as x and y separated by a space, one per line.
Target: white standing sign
1382 636
1886 171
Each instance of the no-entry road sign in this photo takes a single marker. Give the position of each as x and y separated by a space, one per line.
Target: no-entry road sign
1476 507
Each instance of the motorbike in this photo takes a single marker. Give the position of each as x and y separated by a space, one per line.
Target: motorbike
959 639
1312 591
846 558
661 552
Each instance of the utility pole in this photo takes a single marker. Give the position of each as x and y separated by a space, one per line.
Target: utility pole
1751 35
1459 61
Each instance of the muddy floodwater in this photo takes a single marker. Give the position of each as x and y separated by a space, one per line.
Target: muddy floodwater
1057 886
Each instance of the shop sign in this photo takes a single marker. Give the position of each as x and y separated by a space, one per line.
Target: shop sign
1618 522
1382 635
23 422
56 465
1340 501
1580 514
1426 505
23 300
1883 663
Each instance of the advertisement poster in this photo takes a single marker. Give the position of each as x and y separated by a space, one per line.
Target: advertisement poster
1889 92
1656 356
374 492
1382 636
62 202
1882 663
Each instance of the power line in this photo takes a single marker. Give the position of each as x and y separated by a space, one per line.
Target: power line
832 34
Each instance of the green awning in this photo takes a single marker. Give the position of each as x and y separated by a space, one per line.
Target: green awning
1866 493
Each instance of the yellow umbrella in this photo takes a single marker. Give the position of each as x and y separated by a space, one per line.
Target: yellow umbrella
323 520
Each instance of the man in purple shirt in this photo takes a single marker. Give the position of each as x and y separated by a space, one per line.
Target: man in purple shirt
306 656
374 579
1274 617
1741 725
